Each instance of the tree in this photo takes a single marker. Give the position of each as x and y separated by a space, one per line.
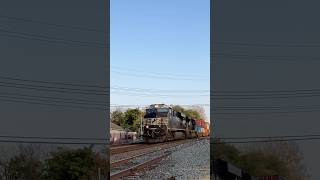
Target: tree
275 158
192 113
25 165
286 152
117 117
226 152
188 112
178 108
72 164
132 119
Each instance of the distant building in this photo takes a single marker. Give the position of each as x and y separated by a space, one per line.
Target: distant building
118 135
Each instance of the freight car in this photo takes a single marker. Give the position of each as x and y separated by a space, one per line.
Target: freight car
162 123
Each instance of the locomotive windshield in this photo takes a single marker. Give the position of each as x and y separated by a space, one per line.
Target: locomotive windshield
156 112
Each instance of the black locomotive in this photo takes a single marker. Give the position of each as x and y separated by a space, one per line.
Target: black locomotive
162 123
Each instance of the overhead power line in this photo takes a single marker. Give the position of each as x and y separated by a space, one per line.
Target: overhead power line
264 112
156 95
54 87
52 40
55 98
268 137
156 76
49 41
240 108
223 57
54 142
273 94
52 82
52 24
248 97
48 103
262 97
49 89
267 140
158 90
258 44
264 91
52 138
158 73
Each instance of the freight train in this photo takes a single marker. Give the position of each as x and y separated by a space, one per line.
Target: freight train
162 123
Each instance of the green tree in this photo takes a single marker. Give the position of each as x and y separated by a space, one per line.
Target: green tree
192 113
276 158
132 119
178 108
188 112
25 165
117 117
72 164
226 152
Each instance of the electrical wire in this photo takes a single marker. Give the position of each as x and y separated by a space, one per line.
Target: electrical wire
267 140
51 82
51 24
51 41
257 44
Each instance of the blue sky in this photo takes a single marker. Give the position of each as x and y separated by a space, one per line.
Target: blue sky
162 45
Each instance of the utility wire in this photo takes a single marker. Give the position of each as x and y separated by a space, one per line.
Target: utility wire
54 101
51 41
268 137
154 76
264 97
157 95
219 108
257 44
55 98
264 112
53 87
51 82
54 142
52 138
263 58
51 24
267 91
156 73
52 38
157 90
24 86
50 104
267 140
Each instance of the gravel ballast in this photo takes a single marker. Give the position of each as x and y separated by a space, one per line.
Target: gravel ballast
189 161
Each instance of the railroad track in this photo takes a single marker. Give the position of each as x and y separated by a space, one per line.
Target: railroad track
127 148
131 170
129 166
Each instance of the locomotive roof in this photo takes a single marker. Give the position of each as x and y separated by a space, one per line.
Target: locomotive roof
159 106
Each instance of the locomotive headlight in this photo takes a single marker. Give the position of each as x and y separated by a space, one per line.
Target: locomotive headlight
147 127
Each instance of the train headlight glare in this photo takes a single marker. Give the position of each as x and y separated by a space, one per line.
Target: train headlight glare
147 126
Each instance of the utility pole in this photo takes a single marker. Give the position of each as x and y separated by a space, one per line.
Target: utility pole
140 125
140 134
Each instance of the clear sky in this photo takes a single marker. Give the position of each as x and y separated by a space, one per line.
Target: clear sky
158 47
